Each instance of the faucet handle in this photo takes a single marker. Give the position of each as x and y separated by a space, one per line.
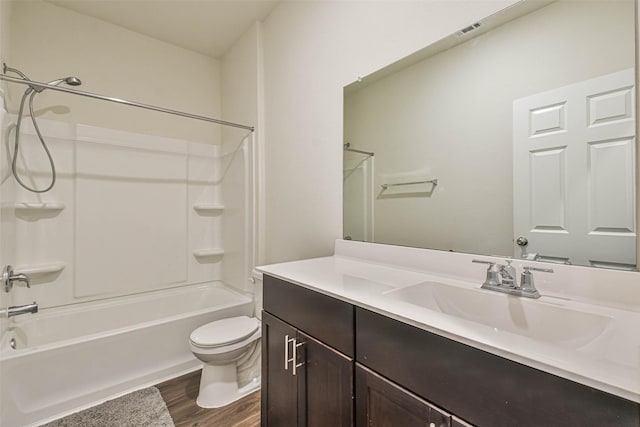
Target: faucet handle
8 278
493 273
526 279
20 277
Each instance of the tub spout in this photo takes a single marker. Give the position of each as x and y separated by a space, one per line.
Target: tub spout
19 309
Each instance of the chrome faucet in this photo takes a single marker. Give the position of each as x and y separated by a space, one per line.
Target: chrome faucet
502 278
19 309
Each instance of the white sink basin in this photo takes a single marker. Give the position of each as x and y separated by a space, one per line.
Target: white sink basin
531 318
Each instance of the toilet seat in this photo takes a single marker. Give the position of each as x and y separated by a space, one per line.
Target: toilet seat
224 332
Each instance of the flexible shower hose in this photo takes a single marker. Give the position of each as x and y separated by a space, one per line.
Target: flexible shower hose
30 91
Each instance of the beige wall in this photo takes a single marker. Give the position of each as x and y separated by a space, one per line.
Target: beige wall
50 42
450 117
5 14
312 50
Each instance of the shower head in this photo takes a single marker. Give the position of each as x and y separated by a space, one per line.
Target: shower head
72 81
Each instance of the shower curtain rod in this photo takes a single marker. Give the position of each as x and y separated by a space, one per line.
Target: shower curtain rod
121 101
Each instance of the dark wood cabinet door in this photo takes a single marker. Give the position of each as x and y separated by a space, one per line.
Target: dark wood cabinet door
381 403
439 418
279 404
457 422
326 378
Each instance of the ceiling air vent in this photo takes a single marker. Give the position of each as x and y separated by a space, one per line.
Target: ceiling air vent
468 29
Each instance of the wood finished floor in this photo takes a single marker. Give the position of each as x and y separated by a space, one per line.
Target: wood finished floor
180 396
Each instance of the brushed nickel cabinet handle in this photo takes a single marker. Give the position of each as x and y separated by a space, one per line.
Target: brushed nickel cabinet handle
295 355
288 359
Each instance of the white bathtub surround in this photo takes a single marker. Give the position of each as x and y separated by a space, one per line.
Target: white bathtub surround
120 197
132 219
73 357
589 335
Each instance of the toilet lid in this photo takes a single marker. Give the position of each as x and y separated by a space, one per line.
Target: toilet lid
224 331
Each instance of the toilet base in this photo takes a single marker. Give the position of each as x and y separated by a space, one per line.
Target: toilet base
219 386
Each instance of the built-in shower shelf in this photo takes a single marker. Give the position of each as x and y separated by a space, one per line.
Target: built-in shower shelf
206 253
39 207
208 208
40 269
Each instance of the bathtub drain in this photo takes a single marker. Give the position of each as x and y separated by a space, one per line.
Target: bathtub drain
12 343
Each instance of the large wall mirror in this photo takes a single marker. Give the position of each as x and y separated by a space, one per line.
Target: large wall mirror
513 137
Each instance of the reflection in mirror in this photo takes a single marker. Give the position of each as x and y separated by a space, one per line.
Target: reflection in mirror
514 137
358 183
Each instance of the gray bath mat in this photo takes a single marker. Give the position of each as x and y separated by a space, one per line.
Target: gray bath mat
142 408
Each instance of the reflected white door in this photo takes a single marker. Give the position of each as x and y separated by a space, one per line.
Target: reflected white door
574 172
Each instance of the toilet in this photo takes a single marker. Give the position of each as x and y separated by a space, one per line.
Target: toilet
223 346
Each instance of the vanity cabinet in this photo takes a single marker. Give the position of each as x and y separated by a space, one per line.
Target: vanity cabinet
307 358
357 367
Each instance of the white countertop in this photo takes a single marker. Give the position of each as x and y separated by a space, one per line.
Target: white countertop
610 362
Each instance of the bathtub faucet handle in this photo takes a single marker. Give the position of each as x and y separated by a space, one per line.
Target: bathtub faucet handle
8 278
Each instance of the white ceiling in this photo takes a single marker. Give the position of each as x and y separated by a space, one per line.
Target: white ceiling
206 26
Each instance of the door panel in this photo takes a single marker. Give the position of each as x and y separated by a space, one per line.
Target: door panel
611 164
548 190
611 106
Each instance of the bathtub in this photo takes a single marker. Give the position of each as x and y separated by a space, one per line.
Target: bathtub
73 357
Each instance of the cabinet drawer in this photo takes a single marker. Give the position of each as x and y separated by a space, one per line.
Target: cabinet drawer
326 319
482 388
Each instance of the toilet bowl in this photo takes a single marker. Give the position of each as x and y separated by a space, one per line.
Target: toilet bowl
221 346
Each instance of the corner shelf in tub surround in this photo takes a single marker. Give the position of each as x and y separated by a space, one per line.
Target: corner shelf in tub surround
40 269
34 207
208 208
209 252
